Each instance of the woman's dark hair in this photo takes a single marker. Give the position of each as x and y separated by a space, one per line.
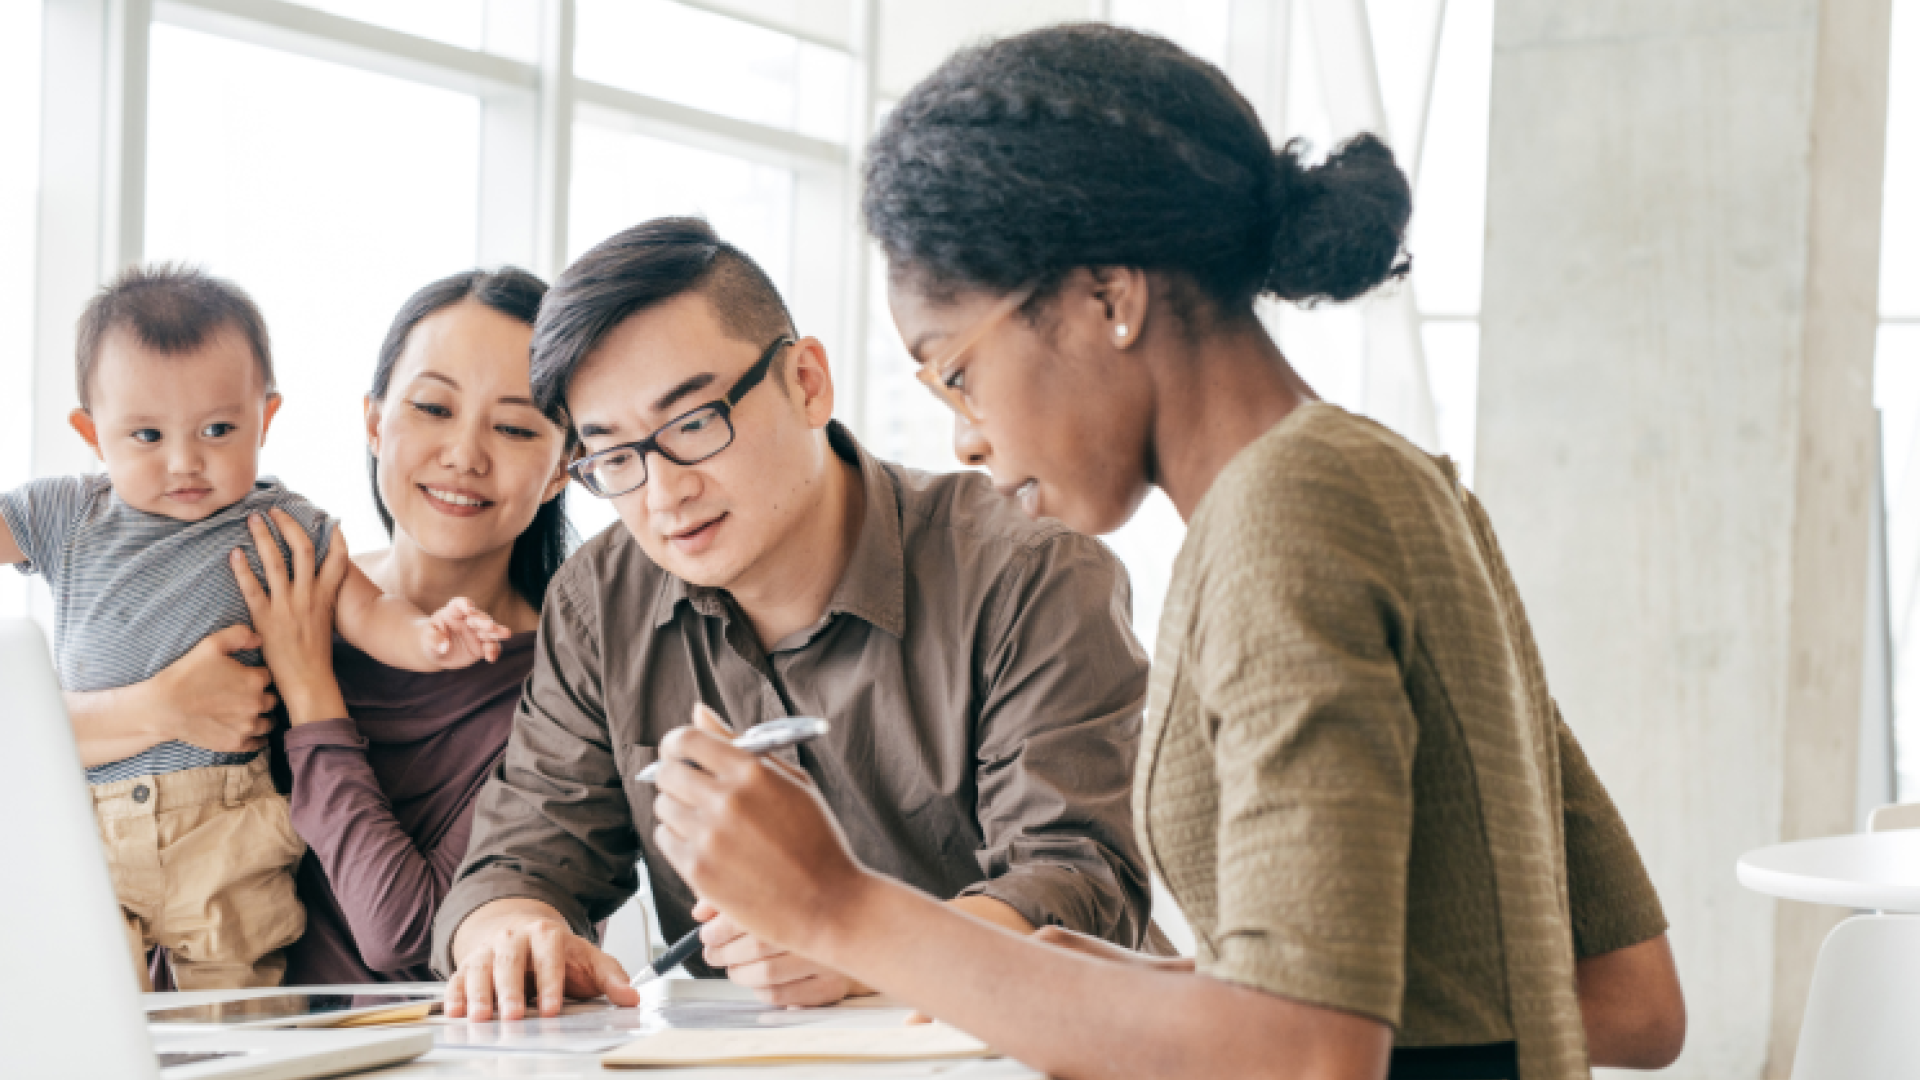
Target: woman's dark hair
1089 145
545 544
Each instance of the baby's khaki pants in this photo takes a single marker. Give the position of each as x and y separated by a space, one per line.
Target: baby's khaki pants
203 862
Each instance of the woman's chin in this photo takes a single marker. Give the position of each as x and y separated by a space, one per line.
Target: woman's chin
450 538
1096 517
1085 519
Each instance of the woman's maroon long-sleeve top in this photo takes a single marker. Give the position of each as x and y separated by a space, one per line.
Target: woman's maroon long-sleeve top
384 801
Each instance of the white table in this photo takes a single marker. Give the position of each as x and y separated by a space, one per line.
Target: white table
1876 871
1858 1015
447 1064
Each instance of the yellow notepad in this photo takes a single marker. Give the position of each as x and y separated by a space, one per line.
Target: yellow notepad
795 1046
399 1014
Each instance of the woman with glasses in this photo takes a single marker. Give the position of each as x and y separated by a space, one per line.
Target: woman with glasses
1395 858
467 476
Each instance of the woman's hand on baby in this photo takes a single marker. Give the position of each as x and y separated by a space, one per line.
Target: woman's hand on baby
459 635
292 608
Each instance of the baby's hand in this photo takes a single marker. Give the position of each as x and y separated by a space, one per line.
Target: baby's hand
460 634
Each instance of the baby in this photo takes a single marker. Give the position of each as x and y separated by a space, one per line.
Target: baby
176 394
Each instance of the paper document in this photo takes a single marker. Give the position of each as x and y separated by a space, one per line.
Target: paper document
399 1014
796 1046
582 1032
673 990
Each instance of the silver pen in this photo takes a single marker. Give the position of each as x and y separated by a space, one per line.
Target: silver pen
762 739
770 736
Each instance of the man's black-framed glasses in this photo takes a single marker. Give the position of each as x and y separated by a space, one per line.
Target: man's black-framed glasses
687 439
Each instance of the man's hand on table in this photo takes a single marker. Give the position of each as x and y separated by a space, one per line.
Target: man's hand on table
509 950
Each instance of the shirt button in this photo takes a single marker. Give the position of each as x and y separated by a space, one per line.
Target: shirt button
140 793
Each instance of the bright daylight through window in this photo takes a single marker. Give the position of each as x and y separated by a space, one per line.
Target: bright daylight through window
330 194
332 162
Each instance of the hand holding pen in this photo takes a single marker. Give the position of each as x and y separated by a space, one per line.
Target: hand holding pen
762 739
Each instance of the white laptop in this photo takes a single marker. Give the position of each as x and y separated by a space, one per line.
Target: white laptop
69 997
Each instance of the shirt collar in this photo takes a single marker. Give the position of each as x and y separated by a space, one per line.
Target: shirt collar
874 585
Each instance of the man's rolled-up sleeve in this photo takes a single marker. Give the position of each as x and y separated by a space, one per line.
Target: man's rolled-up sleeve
552 823
1056 741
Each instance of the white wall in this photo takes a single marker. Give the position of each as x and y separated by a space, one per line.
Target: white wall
1676 438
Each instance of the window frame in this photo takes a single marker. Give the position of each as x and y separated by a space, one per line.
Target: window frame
92 217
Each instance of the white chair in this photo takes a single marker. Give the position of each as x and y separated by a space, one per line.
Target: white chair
1866 984
1898 816
1859 1018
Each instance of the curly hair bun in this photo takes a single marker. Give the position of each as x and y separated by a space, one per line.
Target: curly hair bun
1090 145
1340 225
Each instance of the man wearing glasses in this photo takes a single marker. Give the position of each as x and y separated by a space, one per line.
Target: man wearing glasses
977 666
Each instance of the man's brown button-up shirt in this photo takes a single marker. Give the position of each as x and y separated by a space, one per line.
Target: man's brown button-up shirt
979 671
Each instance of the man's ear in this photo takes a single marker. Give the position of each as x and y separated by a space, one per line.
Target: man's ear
811 377
82 422
266 417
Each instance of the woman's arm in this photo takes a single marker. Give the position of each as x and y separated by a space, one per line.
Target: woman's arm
1630 996
759 843
1631 1004
388 887
206 698
293 614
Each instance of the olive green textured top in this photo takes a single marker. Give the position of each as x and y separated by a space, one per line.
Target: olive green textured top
1352 777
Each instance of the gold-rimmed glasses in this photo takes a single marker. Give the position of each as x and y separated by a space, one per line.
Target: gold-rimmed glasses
936 374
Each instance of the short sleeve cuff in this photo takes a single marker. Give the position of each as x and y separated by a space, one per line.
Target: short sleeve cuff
1604 924
1259 963
16 518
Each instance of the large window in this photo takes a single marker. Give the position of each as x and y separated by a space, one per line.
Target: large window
19 192
671 51
1897 383
334 155
330 194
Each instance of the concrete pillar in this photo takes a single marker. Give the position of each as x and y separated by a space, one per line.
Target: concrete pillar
1675 438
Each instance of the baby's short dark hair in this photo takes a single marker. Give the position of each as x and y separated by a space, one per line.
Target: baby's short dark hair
173 309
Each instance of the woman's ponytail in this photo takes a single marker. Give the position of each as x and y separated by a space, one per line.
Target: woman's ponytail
1339 228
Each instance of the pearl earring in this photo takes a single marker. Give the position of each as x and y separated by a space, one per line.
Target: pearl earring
1120 333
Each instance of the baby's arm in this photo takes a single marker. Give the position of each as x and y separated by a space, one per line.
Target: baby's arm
9 549
391 630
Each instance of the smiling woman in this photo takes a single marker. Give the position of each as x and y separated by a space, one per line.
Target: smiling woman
439 330
467 477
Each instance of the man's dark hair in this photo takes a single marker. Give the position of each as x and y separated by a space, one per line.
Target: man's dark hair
1093 146
639 268
545 543
172 309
